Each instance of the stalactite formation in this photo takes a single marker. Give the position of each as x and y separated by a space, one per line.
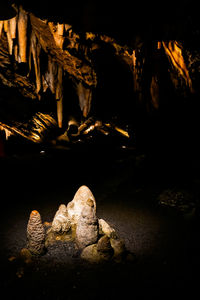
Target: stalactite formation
38 56
173 50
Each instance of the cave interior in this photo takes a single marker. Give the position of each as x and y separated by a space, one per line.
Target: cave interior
103 94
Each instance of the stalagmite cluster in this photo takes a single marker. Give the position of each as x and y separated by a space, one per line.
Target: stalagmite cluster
77 222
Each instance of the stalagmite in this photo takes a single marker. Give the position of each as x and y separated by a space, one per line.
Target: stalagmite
22 34
35 234
79 201
87 226
85 98
61 222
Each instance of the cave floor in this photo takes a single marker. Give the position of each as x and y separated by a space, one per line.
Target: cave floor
164 241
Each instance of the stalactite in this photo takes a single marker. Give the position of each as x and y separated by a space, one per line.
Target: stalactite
9 39
12 27
22 34
1 27
57 32
154 91
35 50
59 96
138 62
174 51
85 98
51 74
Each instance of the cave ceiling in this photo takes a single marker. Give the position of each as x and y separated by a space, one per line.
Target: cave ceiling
89 63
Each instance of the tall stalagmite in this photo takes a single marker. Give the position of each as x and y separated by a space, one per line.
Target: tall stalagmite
35 234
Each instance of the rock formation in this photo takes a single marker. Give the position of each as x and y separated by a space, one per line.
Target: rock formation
35 234
77 223
79 201
87 225
61 222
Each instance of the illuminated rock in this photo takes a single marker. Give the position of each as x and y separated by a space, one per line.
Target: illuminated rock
87 225
35 234
99 252
105 228
78 203
61 222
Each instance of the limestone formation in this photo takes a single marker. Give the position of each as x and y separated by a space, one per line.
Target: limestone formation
106 229
61 222
99 252
79 202
87 225
35 234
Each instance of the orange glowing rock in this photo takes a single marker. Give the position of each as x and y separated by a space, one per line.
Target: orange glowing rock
22 34
173 50
35 234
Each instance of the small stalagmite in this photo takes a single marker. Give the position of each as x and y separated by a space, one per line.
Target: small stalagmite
78 203
35 234
87 226
22 34
61 222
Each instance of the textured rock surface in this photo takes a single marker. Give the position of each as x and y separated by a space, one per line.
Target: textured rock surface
87 225
78 203
35 234
61 222
100 252
105 228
